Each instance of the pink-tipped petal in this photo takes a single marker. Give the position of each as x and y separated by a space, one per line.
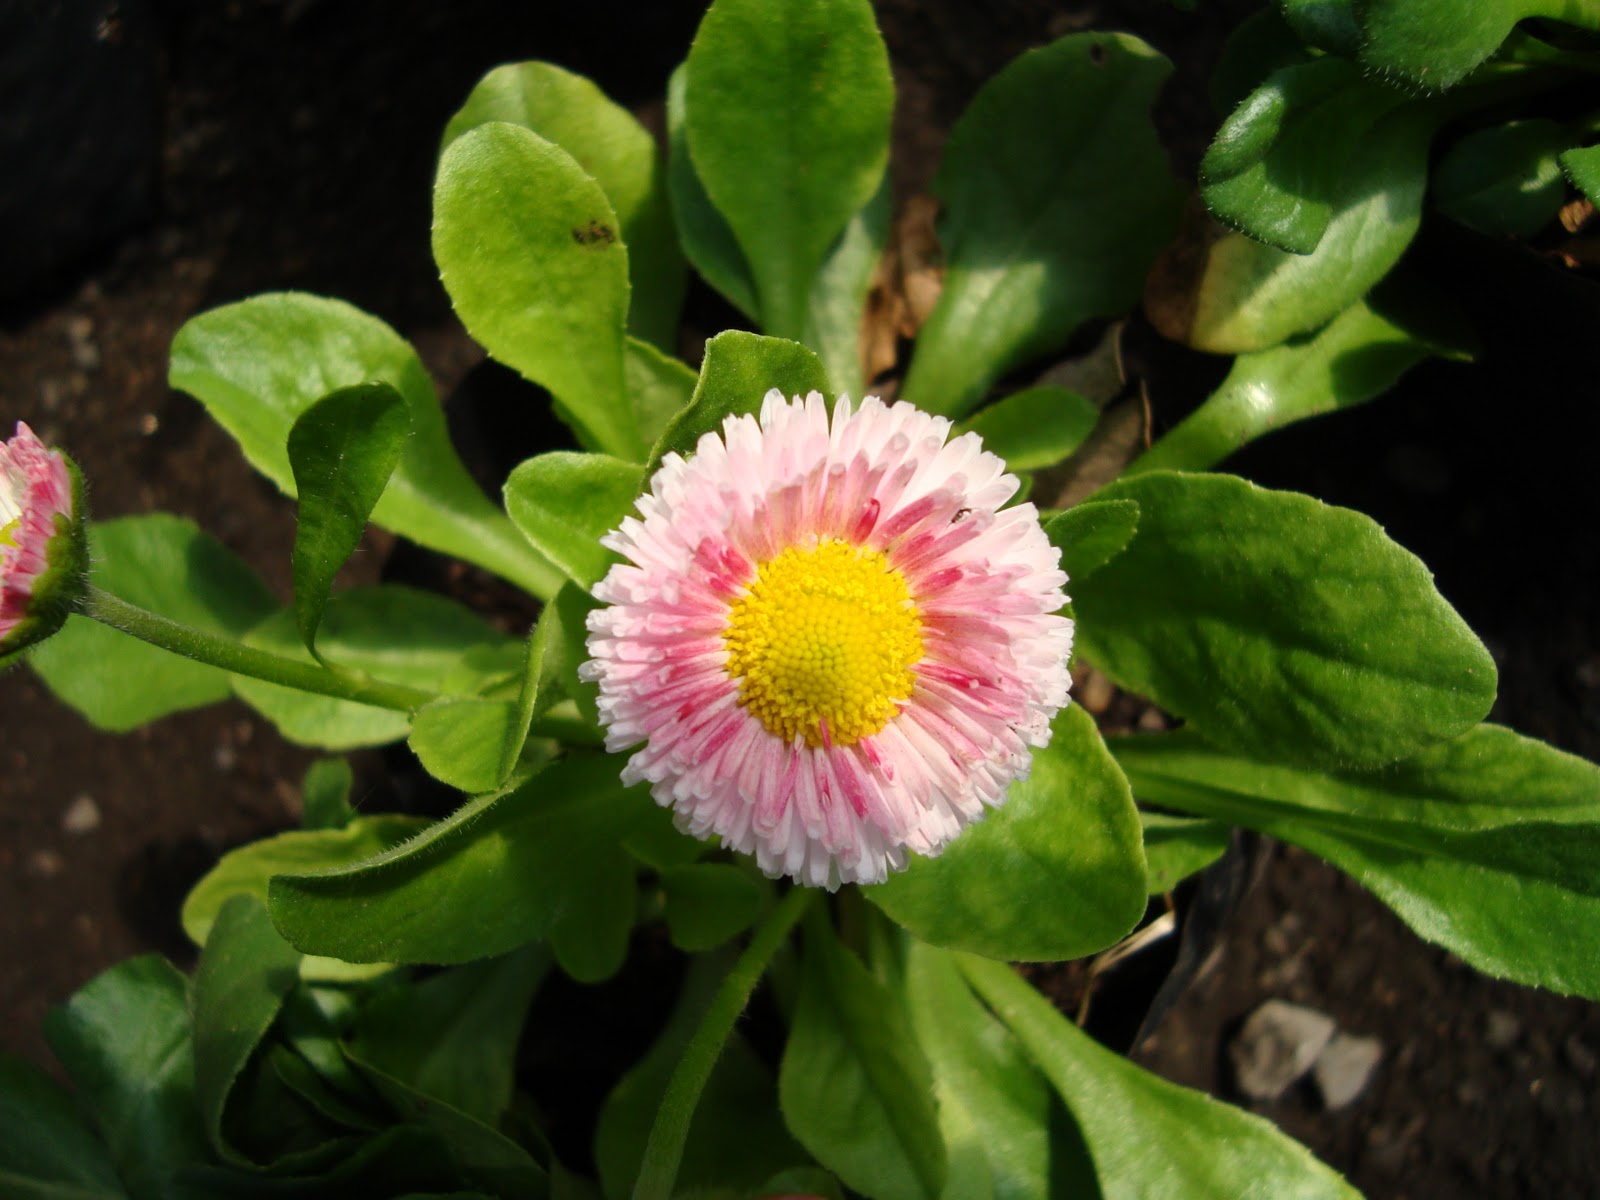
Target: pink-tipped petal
846 801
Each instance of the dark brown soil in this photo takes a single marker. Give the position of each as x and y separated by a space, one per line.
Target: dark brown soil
297 149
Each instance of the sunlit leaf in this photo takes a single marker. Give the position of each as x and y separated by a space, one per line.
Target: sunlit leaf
1067 844
610 144
1583 168
388 632
1473 842
1150 1139
994 1106
786 107
167 565
1230 294
528 248
1091 534
565 502
1354 358
538 861
1293 148
738 371
1280 626
258 364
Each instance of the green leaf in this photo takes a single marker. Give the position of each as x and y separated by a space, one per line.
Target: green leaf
708 903
342 451
47 1152
461 740
124 1040
527 247
540 860
472 1016
1232 294
258 364
839 292
1583 168
483 1155
658 387
1505 179
474 744
707 240
1474 842
387 632
1150 1139
1067 844
325 795
167 565
618 152
1036 427
245 971
1057 197
736 1138
245 871
993 1105
565 502
1354 358
1280 626
786 107
1177 847
854 1085
1091 534
1330 25
738 371
1295 145
1435 43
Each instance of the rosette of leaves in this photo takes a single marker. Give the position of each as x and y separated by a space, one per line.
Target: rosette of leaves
364 981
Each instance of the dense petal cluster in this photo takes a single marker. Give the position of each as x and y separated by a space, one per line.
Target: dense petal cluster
830 643
42 551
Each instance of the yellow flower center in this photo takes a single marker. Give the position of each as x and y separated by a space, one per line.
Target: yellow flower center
825 635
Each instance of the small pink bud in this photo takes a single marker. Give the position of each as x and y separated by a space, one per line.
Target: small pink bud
43 551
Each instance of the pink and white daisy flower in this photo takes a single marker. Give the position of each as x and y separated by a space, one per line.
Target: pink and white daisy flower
833 643
42 551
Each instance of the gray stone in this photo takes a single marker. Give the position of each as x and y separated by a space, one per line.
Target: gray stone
1276 1046
1345 1067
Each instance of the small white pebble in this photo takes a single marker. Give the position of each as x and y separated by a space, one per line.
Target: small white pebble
82 815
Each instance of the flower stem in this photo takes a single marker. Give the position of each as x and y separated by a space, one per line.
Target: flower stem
239 659
664 1151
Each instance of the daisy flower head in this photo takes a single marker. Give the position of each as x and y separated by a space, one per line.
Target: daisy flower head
43 552
829 642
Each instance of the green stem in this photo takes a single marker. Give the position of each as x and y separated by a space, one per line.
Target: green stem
664 1151
239 659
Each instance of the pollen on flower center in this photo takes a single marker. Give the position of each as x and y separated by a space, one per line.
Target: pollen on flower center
823 643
